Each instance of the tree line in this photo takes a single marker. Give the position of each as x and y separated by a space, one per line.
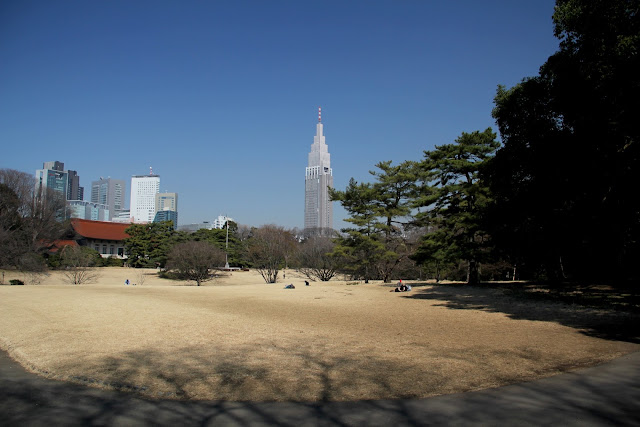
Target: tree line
555 198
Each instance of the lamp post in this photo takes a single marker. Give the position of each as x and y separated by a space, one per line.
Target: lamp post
226 250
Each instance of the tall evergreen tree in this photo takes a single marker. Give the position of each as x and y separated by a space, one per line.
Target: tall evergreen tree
379 212
454 198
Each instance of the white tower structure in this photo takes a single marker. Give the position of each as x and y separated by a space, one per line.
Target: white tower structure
318 210
143 197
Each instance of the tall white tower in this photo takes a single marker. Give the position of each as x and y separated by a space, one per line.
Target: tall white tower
318 209
143 197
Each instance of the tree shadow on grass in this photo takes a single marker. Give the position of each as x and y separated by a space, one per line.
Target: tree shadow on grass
259 372
597 311
602 396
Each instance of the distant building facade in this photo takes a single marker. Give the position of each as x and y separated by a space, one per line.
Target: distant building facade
318 209
167 215
84 209
110 192
221 221
123 217
105 237
190 228
143 197
74 190
52 176
167 208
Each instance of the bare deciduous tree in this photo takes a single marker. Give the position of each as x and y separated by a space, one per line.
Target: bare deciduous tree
78 265
268 248
315 259
30 218
193 260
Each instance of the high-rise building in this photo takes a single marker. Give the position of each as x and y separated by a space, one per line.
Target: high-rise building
66 182
110 192
167 202
143 197
52 176
167 208
74 190
318 210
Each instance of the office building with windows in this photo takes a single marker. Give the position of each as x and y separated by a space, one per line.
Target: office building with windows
167 208
110 192
143 197
318 209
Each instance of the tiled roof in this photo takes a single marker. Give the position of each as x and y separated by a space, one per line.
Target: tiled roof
59 244
100 229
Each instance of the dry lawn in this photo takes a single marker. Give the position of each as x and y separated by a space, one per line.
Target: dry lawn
238 338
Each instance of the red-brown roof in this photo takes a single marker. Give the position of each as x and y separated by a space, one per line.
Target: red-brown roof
100 229
59 244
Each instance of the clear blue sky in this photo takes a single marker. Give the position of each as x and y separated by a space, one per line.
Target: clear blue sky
221 97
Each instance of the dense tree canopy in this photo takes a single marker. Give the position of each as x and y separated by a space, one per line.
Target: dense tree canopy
564 181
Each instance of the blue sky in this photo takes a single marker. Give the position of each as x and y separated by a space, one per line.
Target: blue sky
221 97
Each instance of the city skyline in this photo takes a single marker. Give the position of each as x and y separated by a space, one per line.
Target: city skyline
217 96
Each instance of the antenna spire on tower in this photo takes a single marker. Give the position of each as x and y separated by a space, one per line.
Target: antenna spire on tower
150 170
319 114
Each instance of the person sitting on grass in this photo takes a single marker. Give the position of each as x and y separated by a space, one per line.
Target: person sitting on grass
400 287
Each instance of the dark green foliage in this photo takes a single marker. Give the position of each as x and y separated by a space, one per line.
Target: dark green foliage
227 241
16 282
564 183
454 197
110 262
148 245
380 214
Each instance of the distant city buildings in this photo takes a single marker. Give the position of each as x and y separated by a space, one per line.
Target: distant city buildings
318 209
221 221
167 208
54 177
65 183
124 216
191 228
142 205
110 192
88 210
74 190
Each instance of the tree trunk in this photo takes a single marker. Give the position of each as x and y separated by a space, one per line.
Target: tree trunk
472 273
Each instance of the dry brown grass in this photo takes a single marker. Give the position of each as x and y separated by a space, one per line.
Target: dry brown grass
238 338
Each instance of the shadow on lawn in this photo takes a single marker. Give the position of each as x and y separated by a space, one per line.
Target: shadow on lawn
245 374
596 310
607 396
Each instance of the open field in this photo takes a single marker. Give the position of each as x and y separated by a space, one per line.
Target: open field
238 338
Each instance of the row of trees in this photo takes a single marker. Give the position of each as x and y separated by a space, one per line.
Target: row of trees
268 249
557 200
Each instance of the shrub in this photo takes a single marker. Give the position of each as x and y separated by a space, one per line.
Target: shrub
16 282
